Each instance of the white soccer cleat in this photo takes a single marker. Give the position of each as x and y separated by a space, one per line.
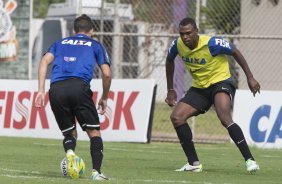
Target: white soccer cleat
251 166
98 176
188 167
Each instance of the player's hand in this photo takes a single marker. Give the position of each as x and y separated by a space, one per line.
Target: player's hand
171 98
39 99
254 85
102 105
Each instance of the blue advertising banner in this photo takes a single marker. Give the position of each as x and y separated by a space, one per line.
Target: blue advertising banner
260 117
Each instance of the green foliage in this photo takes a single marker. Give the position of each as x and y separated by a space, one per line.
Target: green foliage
221 15
40 7
151 11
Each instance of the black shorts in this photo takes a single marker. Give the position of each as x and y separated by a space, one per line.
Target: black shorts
70 100
202 99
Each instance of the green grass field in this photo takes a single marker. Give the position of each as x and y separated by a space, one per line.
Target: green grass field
36 161
207 127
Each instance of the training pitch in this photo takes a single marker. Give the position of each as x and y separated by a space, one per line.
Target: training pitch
33 161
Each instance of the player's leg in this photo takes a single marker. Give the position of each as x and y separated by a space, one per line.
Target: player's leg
186 108
223 109
96 148
223 95
96 151
87 116
59 100
71 157
69 142
178 118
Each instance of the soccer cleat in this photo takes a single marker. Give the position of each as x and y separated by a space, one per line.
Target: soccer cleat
72 167
98 176
188 167
251 166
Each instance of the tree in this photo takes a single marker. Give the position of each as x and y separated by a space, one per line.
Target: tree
221 15
40 7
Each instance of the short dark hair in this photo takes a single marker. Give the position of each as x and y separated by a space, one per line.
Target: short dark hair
187 21
83 23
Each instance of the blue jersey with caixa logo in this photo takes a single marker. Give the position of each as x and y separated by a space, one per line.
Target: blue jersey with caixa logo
75 57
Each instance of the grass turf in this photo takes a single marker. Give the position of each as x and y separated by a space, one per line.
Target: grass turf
33 161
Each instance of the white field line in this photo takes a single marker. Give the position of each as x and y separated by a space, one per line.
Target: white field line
139 150
170 181
136 180
111 148
25 177
144 149
123 146
12 171
40 144
271 156
22 171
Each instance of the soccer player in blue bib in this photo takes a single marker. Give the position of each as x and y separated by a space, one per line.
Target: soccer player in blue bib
205 59
74 59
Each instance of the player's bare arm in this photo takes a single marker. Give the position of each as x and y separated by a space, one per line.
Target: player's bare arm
106 79
171 94
252 82
42 71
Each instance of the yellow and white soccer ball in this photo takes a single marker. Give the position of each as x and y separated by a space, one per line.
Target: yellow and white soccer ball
79 163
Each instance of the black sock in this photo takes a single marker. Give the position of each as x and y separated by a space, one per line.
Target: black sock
184 134
96 150
69 142
237 136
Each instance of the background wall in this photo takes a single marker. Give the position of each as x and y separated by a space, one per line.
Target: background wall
137 34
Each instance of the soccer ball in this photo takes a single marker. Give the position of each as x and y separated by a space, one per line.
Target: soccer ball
79 163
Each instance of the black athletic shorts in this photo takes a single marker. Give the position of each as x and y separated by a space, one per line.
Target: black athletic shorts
202 99
70 100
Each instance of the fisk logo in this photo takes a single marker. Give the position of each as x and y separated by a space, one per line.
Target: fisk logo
222 43
23 113
122 107
18 111
259 135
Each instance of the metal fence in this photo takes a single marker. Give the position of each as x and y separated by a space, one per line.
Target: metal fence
137 34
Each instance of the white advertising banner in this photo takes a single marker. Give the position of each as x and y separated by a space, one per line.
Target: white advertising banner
126 118
260 117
